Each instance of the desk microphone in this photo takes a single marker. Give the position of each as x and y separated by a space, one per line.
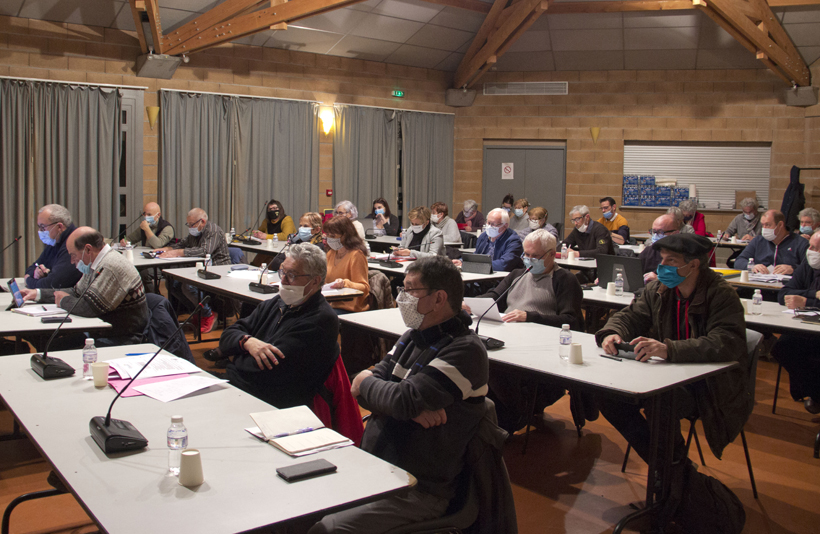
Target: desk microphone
712 255
115 435
17 239
491 342
43 364
259 287
122 234
204 273
247 240
394 264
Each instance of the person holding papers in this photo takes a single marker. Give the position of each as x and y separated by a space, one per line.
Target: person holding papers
347 263
775 247
276 222
546 295
470 219
53 268
284 351
153 231
421 239
795 352
689 315
427 399
746 225
500 242
116 296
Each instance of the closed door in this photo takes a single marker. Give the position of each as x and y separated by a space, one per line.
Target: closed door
537 173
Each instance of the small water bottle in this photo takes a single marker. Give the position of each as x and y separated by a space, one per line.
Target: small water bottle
263 279
564 340
177 441
275 238
719 235
128 245
619 285
751 266
757 303
233 233
89 357
366 244
207 260
564 251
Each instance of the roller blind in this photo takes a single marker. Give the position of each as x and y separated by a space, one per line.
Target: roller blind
716 170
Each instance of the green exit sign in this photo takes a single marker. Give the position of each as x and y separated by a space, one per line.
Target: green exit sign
398 94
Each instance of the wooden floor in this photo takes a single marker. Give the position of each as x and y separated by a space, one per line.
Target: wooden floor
563 483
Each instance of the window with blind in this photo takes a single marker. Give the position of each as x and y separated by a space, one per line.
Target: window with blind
716 170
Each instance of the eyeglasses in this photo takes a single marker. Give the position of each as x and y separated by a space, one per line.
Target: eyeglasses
662 233
191 225
414 289
43 228
289 276
524 255
576 219
340 213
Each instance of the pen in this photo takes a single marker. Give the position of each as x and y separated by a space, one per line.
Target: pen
611 357
45 309
300 431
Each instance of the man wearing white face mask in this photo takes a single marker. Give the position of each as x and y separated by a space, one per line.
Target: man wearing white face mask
427 399
500 242
588 237
797 353
284 351
776 249
53 268
746 225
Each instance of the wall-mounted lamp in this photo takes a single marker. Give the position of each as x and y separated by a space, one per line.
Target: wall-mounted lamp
326 114
153 113
595 131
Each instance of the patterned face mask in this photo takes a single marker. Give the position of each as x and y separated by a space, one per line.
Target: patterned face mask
408 305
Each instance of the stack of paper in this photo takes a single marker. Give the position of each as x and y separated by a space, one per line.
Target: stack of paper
40 310
296 431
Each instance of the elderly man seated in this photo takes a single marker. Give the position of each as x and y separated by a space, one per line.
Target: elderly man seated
284 351
53 269
547 294
663 226
153 231
589 238
776 249
115 295
809 222
500 242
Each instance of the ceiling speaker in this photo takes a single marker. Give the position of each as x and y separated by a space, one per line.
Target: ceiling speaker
459 98
157 66
801 96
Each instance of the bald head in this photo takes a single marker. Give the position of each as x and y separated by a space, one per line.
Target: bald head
152 210
198 213
814 242
84 243
666 223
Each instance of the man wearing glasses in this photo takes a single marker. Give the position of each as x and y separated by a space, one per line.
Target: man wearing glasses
53 268
500 242
204 237
588 237
663 226
283 352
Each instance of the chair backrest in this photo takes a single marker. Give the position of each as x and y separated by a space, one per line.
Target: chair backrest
162 324
336 408
381 296
752 341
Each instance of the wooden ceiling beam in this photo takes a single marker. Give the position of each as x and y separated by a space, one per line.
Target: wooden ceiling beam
487 28
152 8
136 12
221 13
469 5
560 8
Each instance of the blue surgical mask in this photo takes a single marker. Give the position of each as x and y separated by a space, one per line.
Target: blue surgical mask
519 213
608 215
506 209
304 233
492 232
657 237
668 275
748 216
806 230
150 219
46 239
537 264
82 267
379 211
194 231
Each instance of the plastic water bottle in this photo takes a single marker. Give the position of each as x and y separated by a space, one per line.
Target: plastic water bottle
751 266
275 238
719 235
89 357
177 441
564 340
619 285
263 279
757 303
207 260
564 251
233 233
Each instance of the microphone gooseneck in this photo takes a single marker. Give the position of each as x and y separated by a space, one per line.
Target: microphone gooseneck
54 334
122 234
495 302
15 241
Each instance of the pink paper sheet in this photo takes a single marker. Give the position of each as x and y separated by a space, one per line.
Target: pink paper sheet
119 383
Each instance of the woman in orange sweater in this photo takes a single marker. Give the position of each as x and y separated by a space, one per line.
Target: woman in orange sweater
346 263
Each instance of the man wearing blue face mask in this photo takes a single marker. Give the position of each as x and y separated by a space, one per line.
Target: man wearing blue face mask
614 221
153 231
693 316
53 268
500 242
663 226
809 222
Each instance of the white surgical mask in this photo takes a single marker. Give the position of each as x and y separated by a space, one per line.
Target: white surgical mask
291 294
416 228
435 218
492 232
813 258
583 228
748 216
408 305
46 239
534 225
768 234
194 231
334 242
519 213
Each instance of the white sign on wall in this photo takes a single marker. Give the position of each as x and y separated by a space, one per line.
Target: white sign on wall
506 171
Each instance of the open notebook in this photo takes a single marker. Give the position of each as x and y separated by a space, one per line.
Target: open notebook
296 431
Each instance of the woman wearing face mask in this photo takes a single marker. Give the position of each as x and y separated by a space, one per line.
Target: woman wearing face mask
276 222
693 217
439 216
470 219
310 229
346 263
537 218
347 209
519 218
382 219
422 239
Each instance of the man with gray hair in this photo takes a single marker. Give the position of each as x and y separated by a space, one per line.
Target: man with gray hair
677 213
589 238
53 268
284 351
809 222
470 218
500 242
746 225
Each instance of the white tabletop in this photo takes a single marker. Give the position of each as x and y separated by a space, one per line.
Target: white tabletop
578 265
18 324
262 248
597 295
141 262
238 287
534 347
132 492
396 240
467 277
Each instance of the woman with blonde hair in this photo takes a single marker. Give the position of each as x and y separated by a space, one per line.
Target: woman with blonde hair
421 239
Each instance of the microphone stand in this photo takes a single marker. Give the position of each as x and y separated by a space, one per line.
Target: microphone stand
247 240
490 342
123 436
714 250
122 234
259 287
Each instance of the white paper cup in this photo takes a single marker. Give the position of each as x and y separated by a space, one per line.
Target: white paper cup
744 276
200 265
99 370
734 239
129 255
610 288
270 243
576 355
228 237
747 306
190 468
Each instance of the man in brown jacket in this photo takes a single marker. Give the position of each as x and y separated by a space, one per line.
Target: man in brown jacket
692 316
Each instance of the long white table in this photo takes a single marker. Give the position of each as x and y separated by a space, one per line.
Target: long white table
262 248
155 264
466 277
132 492
579 265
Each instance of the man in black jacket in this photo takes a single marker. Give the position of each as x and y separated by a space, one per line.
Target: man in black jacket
53 269
589 238
548 295
284 351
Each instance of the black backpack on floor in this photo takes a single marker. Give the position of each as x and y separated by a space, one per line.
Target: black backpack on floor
707 506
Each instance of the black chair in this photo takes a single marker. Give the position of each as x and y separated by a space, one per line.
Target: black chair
162 324
468 239
58 489
461 514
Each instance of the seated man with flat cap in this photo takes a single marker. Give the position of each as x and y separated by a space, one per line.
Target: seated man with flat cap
53 268
688 315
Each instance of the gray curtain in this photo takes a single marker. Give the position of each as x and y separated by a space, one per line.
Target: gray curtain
427 159
18 201
277 152
197 157
365 147
77 146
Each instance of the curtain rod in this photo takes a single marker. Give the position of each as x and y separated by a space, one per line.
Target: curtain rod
144 88
302 100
